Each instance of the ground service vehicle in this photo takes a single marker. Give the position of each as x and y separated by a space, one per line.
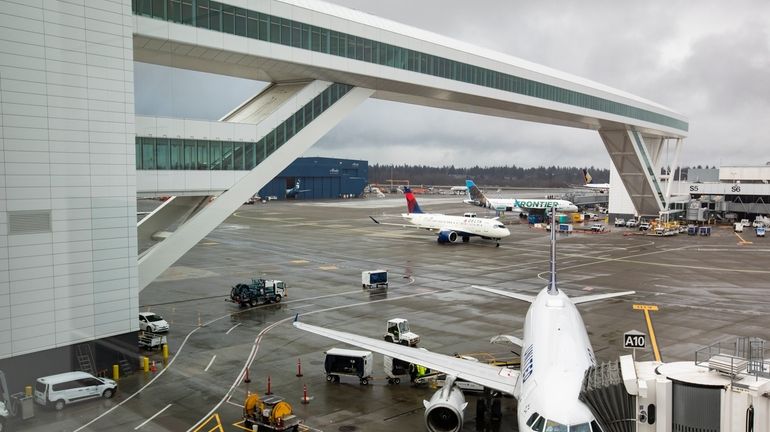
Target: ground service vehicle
631 223
397 331
745 222
259 291
738 227
152 322
5 402
270 413
69 387
644 226
350 363
597 227
394 369
374 279
619 222
760 231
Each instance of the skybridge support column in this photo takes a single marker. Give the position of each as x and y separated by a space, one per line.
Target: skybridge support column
674 167
633 159
157 259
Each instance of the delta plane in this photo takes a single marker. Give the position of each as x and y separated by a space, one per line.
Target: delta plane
476 197
450 228
556 354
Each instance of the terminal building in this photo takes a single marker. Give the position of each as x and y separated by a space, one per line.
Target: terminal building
708 194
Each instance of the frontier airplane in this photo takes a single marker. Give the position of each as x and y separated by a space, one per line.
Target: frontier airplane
476 197
450 228
556 354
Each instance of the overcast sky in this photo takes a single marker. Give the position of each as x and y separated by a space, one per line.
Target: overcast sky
709 60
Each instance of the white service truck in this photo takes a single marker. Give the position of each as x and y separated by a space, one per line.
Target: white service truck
397 331
374 279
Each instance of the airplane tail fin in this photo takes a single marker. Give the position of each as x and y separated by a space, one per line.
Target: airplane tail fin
475 195
587 177
411 202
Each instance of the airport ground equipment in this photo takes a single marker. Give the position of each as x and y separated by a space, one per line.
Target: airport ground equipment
395 369
619 222
374 279
150 340
6 406
397 331
258 291
760 231
339 362
270 413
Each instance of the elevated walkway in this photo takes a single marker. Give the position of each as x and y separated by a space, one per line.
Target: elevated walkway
288 130
295 40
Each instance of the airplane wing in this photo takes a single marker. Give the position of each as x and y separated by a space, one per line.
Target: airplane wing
595 297
494 377
517 296
507 339
399 225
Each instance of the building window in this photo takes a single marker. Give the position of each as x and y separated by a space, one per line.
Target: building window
189 155
148 153
203 155
177 155
162 154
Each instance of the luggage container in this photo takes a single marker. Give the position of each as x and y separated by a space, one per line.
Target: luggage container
704 231
395 369
692 230
374 279
345 362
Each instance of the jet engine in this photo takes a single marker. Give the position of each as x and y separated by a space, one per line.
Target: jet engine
447 237
444 411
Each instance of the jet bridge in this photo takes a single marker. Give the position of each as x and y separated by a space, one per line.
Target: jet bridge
726 389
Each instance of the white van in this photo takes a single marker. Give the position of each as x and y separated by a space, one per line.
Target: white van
69 387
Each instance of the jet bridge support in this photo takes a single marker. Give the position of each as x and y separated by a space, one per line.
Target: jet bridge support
291 122
639 159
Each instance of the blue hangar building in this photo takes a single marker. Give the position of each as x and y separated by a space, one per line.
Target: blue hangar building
319 178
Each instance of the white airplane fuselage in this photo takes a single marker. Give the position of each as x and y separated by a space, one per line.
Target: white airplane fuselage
555 354
483 227
513 204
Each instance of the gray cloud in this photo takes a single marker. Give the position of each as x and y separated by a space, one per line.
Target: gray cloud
709 61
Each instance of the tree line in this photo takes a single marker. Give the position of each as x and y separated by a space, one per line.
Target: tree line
511 176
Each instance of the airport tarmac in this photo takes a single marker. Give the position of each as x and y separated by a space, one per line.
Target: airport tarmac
708 289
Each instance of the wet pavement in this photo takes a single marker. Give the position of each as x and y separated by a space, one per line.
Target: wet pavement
707 288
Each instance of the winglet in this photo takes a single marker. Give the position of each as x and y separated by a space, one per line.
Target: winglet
375 220
296 317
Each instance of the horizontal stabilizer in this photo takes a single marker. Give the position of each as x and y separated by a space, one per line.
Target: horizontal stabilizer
507 339
513 295
597 297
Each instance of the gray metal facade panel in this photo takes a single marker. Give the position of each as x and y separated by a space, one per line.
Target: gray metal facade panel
695 408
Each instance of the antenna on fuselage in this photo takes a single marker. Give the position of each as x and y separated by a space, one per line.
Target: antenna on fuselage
552 290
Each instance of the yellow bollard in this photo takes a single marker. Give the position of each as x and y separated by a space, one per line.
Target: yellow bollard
28 391
165 352
146 364
115 373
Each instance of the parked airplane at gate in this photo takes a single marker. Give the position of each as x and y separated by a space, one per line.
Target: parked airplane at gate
588 182
476 197
293 192
556 354
450 228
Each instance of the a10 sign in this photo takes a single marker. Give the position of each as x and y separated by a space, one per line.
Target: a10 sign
634 339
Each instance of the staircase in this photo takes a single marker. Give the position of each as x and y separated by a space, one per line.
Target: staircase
84 355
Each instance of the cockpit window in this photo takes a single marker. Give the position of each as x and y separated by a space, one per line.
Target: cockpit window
582 427
531 419
500 226
538 426
552 426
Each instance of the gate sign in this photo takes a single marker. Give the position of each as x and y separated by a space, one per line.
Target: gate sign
634 339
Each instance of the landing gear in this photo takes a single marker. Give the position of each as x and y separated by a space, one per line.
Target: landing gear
489 412
497 244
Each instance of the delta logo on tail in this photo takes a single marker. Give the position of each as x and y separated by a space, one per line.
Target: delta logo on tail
411 202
